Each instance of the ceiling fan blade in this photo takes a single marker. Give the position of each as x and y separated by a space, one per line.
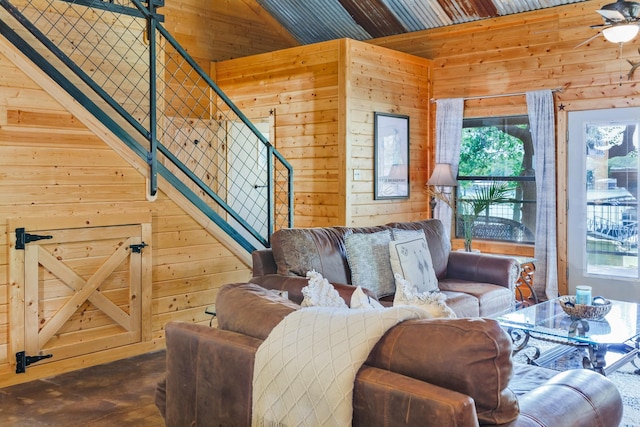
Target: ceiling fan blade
611 15
588 40
628 9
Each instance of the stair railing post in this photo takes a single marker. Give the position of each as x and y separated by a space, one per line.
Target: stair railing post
271 188
153 116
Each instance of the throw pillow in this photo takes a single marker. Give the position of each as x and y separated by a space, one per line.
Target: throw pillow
360 300
432 301
320 293
402 234
368 258
411 259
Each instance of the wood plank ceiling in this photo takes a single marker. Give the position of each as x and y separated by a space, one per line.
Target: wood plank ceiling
312 21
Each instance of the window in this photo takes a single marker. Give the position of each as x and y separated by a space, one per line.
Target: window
499 150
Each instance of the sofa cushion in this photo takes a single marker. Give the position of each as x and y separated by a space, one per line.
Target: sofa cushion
411 259
368 257
464 305
478 348
490 299
298 250
529 377
266 307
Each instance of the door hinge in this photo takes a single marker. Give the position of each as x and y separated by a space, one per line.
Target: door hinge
138 248
22 238
22 361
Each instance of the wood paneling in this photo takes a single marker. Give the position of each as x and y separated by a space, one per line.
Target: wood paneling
523 52
53 165
224 29
324 96
304 81
382 80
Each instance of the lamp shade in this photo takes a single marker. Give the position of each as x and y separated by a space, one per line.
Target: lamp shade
442 175
621 33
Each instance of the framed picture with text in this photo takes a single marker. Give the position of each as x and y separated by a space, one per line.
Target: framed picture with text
391 156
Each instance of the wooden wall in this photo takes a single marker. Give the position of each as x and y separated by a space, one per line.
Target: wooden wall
323 97
299 87
387 81
530 51
224 29
51 165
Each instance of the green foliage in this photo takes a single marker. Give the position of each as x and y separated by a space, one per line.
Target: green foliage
485 196
604 137
630 161
489 151
472 207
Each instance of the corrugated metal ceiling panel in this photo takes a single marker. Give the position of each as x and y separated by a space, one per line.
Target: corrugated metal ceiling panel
312 21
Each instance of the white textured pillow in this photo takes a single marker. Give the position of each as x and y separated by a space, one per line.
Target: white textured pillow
368 258
320 293
360 300
411 259
431 301
404 234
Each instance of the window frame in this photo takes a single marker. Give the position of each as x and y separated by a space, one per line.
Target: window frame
498 121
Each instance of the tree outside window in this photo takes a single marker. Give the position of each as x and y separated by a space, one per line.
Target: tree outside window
499 150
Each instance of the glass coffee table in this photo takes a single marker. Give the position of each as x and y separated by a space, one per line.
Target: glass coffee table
609 343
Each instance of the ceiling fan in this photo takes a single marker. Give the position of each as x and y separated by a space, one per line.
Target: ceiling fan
621 22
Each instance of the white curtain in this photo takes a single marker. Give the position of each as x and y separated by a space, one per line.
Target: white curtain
449 114
542 122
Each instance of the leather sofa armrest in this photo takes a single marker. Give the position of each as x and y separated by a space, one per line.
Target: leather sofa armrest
483 268
266 309
469 355
294 284
578 397
209 376
263 262
387 399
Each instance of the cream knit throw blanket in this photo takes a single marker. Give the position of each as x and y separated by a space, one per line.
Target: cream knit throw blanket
305 370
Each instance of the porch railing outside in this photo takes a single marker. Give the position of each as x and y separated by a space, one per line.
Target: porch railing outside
118 60
612 228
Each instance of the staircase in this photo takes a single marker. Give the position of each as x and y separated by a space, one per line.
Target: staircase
161 111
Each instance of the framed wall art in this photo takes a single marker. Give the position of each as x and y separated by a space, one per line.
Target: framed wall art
391 156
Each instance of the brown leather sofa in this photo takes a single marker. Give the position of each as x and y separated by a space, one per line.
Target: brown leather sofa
435 372
475 284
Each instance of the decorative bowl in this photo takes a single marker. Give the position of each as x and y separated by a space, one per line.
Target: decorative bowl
597 311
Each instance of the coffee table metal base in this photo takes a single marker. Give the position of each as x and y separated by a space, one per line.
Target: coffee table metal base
595 355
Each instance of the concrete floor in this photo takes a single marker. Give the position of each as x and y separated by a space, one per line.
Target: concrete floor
115 394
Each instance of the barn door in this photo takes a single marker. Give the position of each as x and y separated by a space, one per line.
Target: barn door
78 287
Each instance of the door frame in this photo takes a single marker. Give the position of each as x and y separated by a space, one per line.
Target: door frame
563 160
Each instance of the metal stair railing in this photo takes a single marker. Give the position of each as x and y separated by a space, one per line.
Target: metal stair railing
118 61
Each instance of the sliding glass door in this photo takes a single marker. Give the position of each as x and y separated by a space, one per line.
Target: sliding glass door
603 202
